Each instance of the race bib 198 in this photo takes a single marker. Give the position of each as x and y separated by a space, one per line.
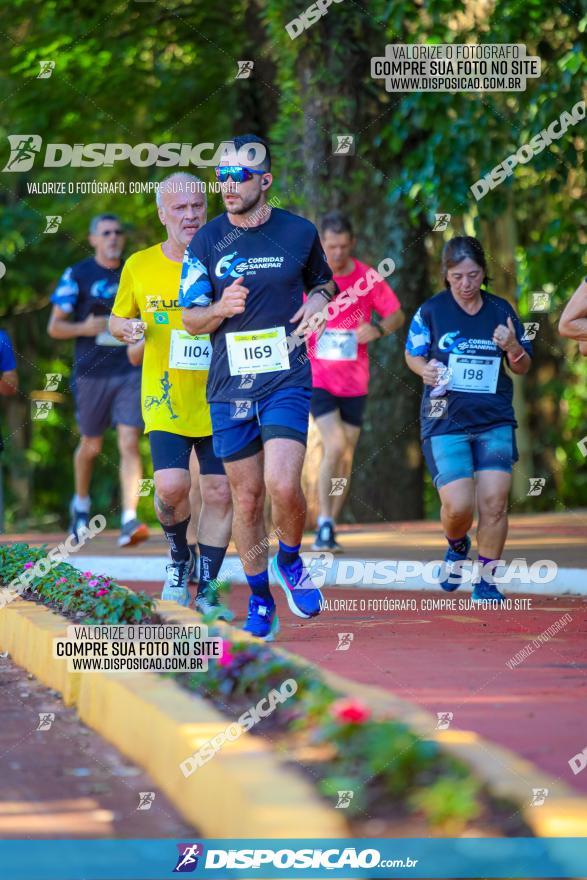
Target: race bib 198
189 352
473 374
338 345
260 351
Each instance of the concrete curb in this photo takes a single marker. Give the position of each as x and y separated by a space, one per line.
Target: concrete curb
244 791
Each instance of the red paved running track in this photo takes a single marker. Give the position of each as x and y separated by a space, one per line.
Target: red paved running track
455 661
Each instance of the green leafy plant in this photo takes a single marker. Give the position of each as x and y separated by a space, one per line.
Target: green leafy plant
93 598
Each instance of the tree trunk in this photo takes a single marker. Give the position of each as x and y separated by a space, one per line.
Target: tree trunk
500 240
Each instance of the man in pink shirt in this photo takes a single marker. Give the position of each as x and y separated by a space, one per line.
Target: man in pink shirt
340 366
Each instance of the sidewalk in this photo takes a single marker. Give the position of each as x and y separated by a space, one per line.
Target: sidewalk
558 538
65 781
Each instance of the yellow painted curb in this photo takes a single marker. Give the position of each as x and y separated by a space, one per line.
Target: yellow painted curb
243 791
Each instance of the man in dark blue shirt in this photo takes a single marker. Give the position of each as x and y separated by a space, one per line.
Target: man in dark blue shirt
8 375
243 279
106 386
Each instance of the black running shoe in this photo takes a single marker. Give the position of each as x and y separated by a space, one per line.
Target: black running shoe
80 521
325 539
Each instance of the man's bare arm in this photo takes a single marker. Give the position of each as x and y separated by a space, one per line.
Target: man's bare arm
8 383
61 326
573 321
207 319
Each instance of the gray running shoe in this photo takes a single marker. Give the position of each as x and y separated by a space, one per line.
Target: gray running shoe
211 606
132 532
175 588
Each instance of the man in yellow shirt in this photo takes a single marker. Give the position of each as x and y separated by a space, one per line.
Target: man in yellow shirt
175 370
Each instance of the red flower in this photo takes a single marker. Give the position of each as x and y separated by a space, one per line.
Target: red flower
350 711
226 658
101 592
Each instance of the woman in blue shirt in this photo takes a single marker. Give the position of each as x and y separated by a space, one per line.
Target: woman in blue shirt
460 342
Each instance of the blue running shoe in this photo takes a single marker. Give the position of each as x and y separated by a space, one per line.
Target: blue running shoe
262 620
451 583
486 592
304 599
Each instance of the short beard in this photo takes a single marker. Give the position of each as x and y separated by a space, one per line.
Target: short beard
245 207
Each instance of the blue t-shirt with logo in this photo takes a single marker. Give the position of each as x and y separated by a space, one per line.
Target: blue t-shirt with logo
442 330
89 289
278 260
7 361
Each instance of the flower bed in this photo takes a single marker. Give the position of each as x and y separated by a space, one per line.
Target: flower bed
391 772
93 598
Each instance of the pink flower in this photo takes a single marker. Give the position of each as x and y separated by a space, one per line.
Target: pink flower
101 592
62 580
29 564
226 658
93 583
88 574
350 711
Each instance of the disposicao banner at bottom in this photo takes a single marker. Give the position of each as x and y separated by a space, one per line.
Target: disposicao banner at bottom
259 858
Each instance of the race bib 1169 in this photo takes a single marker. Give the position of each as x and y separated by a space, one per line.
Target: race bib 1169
260 351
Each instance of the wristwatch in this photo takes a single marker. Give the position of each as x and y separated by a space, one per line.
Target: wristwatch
378 326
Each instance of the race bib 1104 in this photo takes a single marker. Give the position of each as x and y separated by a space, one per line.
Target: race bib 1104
189 352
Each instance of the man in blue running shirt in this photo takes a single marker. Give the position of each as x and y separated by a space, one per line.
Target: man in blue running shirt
243 279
